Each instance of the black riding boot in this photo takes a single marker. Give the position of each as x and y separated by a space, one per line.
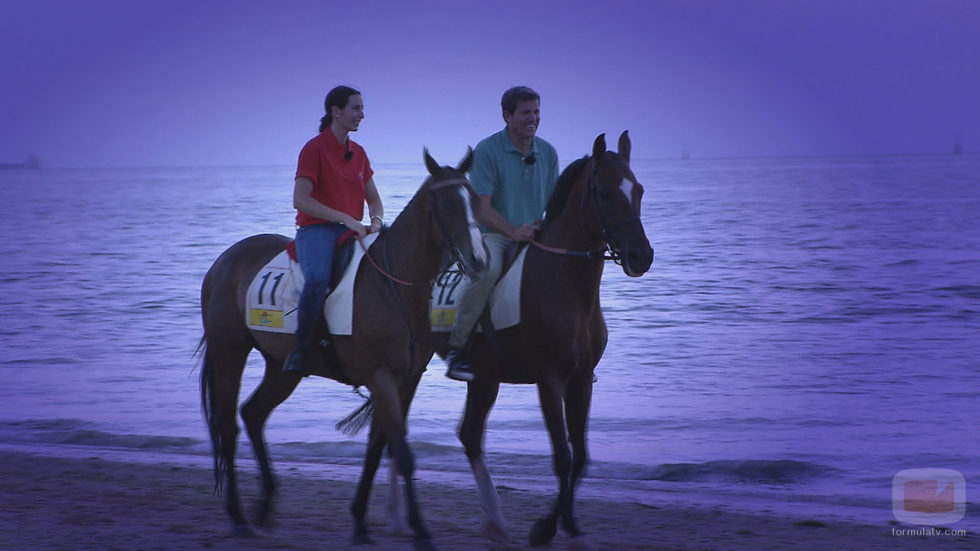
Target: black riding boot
298 361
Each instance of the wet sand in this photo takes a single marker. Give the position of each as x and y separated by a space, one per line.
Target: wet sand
94 503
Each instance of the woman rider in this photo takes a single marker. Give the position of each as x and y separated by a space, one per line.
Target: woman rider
333 181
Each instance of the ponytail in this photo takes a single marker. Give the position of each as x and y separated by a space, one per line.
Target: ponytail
338 97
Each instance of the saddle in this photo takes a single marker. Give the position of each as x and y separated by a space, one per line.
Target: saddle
504 306
273 295
510 255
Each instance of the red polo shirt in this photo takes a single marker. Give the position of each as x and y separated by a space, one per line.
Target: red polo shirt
337 182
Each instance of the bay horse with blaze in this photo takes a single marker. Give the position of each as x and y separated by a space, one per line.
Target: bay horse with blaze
387 352
594 211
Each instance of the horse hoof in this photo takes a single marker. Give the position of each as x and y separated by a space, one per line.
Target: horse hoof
266 524
423 544
361 539
264 520
542 532
242 531
579 543
399 528
496 532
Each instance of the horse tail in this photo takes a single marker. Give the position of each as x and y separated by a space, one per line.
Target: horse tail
356 421
211 415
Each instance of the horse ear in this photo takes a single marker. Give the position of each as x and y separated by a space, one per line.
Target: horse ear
431 163
467 162
599 147
624 146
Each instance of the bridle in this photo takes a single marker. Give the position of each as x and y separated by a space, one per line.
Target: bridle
449 239
605 230
610 250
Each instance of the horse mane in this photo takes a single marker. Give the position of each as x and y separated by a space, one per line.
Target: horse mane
563 188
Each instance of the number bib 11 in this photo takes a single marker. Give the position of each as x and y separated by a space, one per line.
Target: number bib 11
273 296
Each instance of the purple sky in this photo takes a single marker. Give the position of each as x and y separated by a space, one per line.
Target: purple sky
122 83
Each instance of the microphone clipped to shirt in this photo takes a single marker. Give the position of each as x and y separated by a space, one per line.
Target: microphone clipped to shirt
348 155
529 160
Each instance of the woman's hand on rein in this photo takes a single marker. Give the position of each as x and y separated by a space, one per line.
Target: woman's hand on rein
360 230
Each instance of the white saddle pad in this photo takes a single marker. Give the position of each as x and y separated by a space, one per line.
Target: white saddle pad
273 295
505 300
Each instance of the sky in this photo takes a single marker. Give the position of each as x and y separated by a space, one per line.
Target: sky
105 83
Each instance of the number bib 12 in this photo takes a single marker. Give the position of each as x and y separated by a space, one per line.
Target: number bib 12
505 300
446 290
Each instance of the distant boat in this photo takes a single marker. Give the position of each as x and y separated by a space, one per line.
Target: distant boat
957 148
33 162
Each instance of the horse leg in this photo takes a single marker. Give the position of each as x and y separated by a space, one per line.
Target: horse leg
480 397
272 391
221 382
550 395
395 506
578 399
358 508
390 419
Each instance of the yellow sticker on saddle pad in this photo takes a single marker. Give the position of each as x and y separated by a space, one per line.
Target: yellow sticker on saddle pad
265 318
443 317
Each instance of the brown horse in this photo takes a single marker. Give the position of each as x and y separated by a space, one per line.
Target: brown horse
387 351
562 334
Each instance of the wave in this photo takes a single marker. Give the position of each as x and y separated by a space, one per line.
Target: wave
78 433
755 471
964 291
448 458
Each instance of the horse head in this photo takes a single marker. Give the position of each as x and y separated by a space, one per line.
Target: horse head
617 196
452 205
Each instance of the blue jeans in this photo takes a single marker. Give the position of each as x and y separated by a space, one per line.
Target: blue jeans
315 247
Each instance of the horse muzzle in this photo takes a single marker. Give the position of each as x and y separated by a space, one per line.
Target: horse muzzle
475 263
479 260
637 260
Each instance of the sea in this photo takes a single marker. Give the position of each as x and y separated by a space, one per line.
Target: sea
808 330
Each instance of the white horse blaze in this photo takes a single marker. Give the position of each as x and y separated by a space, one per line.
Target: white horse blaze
476 238
627 188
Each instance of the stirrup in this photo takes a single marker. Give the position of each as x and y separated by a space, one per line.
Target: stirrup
458 373
295 365
459 368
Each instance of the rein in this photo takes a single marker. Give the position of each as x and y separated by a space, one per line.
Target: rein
591 254
360 242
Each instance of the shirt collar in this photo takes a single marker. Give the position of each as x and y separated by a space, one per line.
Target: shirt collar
333 143
509 145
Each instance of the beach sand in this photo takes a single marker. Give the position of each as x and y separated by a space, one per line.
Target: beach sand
90 502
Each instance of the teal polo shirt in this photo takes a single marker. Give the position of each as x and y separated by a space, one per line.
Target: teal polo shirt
519 191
